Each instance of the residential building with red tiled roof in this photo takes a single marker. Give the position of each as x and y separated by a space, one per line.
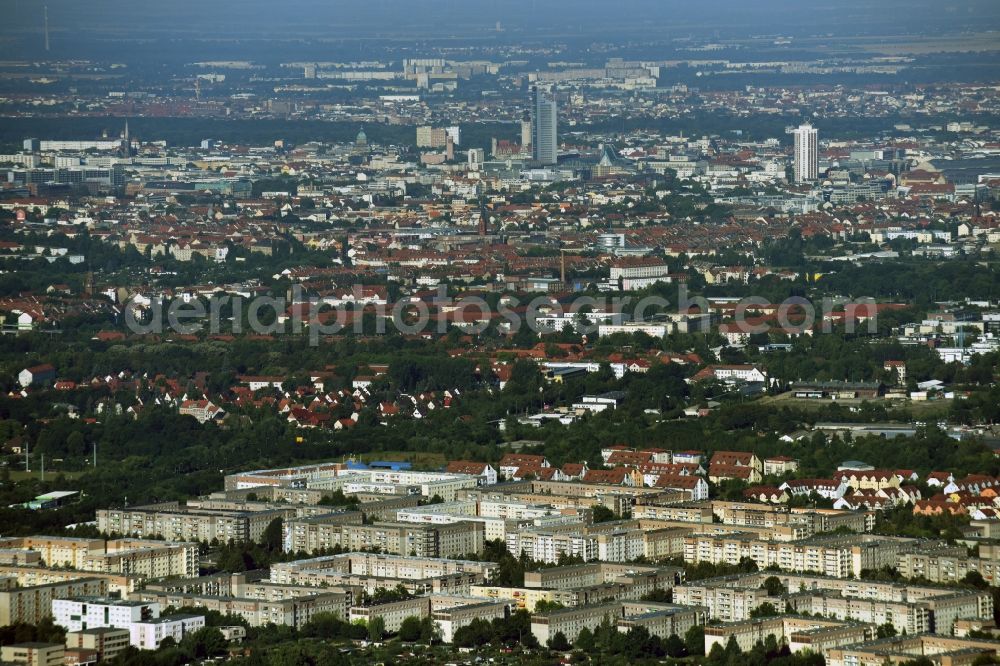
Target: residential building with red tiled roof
630 458
826 488
202 410
616 477
719 472
484 472
606 451
37 375
574 471
696 486
780 465
766 494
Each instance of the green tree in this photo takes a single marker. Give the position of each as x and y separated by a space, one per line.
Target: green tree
694 639
410 629
976 580
376 628
273 538
559 642
887 630
766 609
774 586
675 646
603 514
204 643
585 641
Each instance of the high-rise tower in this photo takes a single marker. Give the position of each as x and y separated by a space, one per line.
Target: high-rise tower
806 153
544 130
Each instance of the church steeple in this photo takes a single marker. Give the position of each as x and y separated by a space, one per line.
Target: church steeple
126 144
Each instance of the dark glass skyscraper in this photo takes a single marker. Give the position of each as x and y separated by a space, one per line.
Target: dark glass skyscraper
544 140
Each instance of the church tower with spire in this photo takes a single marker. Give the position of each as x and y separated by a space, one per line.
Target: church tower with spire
125 149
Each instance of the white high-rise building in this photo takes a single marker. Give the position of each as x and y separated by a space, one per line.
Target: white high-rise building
544 144
82 613
141 618
806 153
476 158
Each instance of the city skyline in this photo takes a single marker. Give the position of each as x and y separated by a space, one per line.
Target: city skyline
500 332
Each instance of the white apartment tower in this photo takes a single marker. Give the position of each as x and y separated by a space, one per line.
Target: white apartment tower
806 153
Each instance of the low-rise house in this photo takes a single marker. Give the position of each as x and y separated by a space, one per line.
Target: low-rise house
484 472
766 494
695 485
875 479
937 507
719 473
512 462
618 476
202 410
740 465
780 465
730 374
37 375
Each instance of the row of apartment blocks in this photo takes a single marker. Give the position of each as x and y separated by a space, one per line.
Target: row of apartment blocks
799 633
352 480
516 512
944 564
659 619
848 643
258 602
909 608
618 541
835 556
434 530
852 643
549 526
448 612
309 535
848 555
593 593
462 480
151 559
290 595
584 584
32 604
778 523
330 570
172 521
235 516
584 587
296 591
655 539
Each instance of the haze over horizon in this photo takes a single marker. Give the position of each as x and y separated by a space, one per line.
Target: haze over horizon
208 29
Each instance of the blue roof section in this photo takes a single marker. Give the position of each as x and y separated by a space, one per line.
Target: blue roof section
395 466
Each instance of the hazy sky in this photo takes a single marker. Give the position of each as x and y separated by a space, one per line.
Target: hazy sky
264 16
97 24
